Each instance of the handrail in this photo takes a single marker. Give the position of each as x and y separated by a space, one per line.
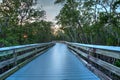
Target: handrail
110 48
21 46
17 48
92 55
99 49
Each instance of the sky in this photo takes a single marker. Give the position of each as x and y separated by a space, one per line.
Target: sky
0 1
51 9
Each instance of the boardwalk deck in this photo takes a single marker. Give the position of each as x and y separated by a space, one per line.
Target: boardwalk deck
58 63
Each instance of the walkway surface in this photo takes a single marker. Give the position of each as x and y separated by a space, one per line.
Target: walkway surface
58 63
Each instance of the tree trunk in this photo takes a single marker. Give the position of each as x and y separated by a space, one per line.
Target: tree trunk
83 33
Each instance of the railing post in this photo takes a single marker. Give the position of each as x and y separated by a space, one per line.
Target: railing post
36 50
89 55
15 57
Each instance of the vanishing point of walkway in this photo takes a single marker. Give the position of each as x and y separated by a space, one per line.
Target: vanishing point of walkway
58 63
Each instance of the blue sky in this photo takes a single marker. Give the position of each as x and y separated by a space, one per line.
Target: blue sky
51 9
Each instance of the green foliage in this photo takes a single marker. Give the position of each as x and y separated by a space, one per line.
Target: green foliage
90 21
4 43
59 1
116 4
15 25
117 63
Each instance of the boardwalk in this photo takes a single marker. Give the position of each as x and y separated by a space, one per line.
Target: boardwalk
58 63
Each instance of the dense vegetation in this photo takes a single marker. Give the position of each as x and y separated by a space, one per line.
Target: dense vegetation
21 22
84 21
90 21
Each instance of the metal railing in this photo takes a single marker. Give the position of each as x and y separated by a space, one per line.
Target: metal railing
99 59
13 58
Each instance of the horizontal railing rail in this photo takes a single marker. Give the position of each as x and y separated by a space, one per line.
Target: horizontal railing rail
12 58
101 58
22 46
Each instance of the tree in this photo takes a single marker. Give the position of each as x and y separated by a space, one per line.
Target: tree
71 19
93 21
22 23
